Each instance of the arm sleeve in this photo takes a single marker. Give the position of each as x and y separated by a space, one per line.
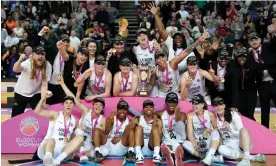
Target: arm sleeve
134 112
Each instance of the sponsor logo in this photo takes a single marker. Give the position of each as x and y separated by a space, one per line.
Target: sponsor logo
29 126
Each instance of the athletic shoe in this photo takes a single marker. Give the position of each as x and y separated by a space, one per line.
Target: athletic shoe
167 153
217 159
157 159
260 158
48 160
130 157
244 162
98 157
56 163
207 160
178 156
83 157
139 159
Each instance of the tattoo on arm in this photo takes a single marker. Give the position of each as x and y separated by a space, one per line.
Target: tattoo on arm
190 48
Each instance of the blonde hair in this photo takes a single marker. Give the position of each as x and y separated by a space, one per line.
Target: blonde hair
34 68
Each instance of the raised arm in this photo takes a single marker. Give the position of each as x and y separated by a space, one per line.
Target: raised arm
116 85
81 106
62 51
176 60
152 81
109 123
45 113
17 67
85 75
184 85
158 22
208 76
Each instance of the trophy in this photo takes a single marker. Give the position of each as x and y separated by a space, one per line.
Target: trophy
202 148
144 75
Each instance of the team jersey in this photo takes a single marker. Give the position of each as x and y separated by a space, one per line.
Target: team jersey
118 128
96 85
145 57
125 85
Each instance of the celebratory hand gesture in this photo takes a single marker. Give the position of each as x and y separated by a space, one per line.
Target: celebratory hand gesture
60 79
152 8
60 45
203 37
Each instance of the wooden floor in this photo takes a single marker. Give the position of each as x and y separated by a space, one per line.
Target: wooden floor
271 159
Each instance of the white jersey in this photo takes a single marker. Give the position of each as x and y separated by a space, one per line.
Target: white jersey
119 127
91 62
145 57
225 134
88 124
49 130
96 85
197 86
146 127
168 136
182 66
172 84
198 124
59 127
125 85
58 67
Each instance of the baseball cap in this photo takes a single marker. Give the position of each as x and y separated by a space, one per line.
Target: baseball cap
218 101
142 30
253 35
148 102
223 54
39 49
122 105
191 60
118 38
84 50
198 99
125 61
178 33
159 53
69 98
99 99
242 52
171 97
99 58
65 37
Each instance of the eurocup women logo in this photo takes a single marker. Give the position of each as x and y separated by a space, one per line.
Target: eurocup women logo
29 126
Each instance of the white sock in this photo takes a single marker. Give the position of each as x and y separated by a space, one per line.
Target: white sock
97 149
82 149
246 155
138 150
156 150
130 149
49 153
252 158
61 157
211 152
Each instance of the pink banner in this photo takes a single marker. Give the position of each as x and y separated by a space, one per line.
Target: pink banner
23 134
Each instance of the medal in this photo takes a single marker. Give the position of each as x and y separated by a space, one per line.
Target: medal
205 133
66 139
76 84
221 80
190 78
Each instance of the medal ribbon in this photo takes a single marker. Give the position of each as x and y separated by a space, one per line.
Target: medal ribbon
97 84
222 76
259 60
125 84
37 75
66 128
148 47
170 120
202 121
166 76
95 124
192 75
60 62
117 126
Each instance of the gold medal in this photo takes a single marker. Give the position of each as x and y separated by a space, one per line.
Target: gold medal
190 78
222 80
205 133
66 139
76 84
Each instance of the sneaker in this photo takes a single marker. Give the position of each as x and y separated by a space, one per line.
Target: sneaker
157 159
48 160
56 163
139 159
83 157
179 152
167 153
260 158
98 157
207 160
244 162
218 159
130 157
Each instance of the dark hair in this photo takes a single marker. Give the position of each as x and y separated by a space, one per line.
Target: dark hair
12 47
227 115
184 44
92 41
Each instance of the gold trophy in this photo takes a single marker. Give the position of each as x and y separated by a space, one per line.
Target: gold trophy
144 75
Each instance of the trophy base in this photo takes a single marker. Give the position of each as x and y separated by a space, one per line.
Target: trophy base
143 93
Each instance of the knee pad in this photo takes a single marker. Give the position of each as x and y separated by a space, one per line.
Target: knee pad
187 145
229 152
215 135
79 132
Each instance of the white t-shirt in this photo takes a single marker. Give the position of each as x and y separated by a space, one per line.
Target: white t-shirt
18 31
184 14
75 41
28 87
58 67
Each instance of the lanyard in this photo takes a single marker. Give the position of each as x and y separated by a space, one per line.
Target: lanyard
66 128
118 126
170 120
202 121
148 47
166 76
259 60
97 84
37 75
125 84
95 124
60 63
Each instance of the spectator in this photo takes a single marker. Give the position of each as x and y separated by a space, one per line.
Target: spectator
3 13
96 33
188 38
4 33
18 14
62 21
173 18
183 13
89 21
9 59
198 28
222 30
32 35
145 24
261 25
172 29
28 51
28 14
54 24
272 27
92 7
248 23
212 19
18 30
112 13
10 23
74 41
20 47
37 23
77 28
102 16
80 16
237 27
210 29
11 39
231 11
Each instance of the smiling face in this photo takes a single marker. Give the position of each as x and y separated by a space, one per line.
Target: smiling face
171 106
98 107
161 61
121 113
148 110
99 67
223 61
143 39
81 58
68 106
198 107
255 43
119 46
178 41
92 47
192 67
219 108
125 68
39 59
